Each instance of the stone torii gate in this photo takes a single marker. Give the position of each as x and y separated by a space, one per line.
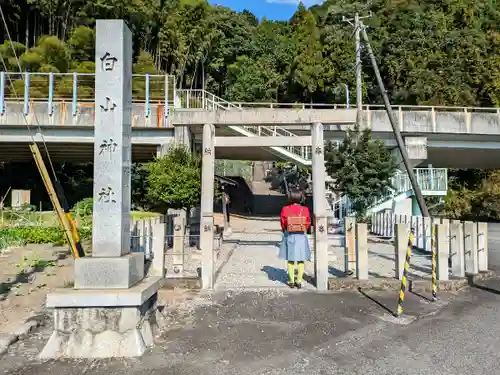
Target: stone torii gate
210 142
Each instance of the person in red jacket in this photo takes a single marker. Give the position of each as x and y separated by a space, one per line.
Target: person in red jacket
295 221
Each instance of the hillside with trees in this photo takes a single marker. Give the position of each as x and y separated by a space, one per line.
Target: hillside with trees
439 52
442 52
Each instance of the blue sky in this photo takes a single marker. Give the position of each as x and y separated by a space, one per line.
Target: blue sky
271 9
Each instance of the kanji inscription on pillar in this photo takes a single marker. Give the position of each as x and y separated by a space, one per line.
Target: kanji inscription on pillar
108 62
112 147
108 146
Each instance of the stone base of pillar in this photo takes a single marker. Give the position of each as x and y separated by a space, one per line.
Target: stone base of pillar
109 273
103 323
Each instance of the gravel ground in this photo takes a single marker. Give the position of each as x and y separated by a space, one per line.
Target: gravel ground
253 262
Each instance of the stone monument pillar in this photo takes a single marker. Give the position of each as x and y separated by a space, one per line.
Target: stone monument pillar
111 310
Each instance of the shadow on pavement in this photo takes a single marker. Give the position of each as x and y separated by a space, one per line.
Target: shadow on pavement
414 304
376 302
491 286
281 275
428 299
276 274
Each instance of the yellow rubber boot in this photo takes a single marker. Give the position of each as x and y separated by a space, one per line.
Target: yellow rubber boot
300 272
291 273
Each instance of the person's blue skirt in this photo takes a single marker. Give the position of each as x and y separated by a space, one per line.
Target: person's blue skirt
294 247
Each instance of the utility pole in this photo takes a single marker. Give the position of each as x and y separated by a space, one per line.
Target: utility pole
359 84
395 126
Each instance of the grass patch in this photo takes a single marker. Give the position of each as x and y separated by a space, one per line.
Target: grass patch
50 219
20 236
43 228
138 215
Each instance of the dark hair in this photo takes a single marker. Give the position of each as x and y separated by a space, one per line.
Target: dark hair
295 197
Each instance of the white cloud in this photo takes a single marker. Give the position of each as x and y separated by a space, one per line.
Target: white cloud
307 3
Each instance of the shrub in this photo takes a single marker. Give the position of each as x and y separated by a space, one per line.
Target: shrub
84 207
174 180
20 236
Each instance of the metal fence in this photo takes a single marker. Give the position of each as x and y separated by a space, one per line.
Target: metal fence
39 86
78 89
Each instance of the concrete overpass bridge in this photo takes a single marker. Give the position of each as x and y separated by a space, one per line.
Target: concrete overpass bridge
455 137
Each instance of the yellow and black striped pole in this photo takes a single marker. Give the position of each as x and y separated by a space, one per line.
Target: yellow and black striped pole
434 279
404 278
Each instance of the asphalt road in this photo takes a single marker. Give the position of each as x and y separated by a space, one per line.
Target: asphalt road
301 332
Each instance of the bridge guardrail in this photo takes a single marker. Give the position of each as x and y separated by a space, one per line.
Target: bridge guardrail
366 107
154 114
158 88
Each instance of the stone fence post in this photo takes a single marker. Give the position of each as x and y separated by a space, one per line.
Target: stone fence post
442 252
350 244
482 246
457 249
401 247
159 240
470 245
362 251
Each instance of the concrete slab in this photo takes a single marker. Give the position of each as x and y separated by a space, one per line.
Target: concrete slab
134 296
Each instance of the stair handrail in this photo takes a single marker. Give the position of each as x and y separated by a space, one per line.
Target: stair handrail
219 102
400 184
212 101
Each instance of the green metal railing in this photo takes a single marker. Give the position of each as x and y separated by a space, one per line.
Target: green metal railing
432 181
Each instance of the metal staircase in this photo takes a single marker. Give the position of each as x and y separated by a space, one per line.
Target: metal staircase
201 99
432 181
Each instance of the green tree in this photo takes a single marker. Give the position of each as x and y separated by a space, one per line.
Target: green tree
361 168
82 44
174 180
296 177
306 73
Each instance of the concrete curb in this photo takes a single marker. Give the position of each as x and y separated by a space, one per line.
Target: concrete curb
417 286
342 284
30 325
193 282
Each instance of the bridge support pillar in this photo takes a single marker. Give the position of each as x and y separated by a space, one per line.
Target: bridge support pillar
183 136
417 151
162 150
320 210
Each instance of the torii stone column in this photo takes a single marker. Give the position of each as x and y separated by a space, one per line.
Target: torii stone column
207 206
319 208
111 311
